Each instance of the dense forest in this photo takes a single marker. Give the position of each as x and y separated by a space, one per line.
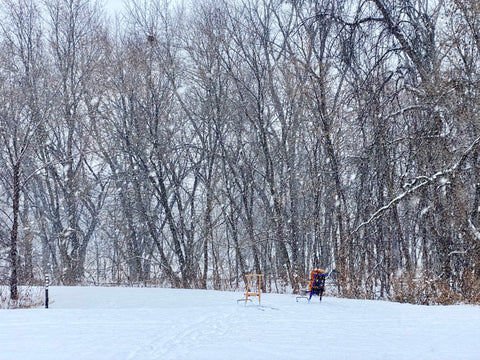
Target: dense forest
188 144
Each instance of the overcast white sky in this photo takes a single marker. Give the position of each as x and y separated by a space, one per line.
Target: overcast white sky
114 5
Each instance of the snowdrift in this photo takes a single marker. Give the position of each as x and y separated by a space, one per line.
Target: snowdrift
151 323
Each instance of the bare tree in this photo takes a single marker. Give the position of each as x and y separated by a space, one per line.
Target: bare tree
22 111
76 50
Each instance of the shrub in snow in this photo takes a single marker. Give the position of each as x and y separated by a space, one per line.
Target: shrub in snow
426 290
29 297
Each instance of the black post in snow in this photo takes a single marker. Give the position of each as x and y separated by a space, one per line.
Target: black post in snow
47 281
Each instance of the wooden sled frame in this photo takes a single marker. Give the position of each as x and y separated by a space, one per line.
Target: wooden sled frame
250 284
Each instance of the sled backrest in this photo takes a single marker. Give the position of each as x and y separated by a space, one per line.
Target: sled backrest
317 279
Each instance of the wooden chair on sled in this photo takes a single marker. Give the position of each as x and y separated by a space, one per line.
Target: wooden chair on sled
316 285
254 288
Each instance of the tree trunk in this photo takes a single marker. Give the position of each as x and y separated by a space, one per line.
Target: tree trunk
14 234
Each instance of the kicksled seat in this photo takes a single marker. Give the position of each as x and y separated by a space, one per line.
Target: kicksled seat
254 288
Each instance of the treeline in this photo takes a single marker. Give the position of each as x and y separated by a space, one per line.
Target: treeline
187 146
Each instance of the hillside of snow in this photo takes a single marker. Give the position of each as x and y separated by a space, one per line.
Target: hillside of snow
151 323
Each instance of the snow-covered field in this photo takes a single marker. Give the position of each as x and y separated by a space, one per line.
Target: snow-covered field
151 323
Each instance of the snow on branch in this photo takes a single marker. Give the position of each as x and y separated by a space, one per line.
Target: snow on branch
474 230
421 181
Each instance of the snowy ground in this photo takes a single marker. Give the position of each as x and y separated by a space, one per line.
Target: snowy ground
147 323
